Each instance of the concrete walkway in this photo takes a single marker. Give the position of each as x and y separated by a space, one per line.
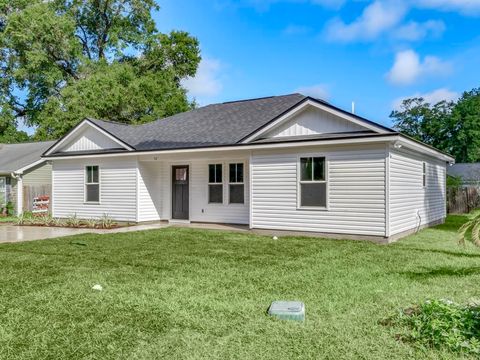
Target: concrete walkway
13 233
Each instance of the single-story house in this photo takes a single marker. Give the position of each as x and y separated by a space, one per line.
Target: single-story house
469 173
291 162
22 168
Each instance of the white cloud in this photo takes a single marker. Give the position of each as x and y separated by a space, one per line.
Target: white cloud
466 7
414 31
432 97
408 67
319 91
377 18
207 81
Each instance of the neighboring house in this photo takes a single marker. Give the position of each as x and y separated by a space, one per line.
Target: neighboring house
468 173
21 167
285 162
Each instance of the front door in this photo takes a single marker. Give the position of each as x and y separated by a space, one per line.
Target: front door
180 192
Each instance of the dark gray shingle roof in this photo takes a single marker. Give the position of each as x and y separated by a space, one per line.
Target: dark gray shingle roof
211 125
16 156
470 173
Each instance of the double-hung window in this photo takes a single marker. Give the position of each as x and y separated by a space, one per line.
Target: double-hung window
312 182
92 184
215 184
236 186
3 190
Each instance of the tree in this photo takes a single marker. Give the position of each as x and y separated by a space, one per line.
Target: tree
425 122
465 124
453 127
63 60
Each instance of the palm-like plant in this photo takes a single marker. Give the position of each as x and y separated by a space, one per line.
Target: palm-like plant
470 231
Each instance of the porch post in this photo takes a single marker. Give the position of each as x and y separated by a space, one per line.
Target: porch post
19 195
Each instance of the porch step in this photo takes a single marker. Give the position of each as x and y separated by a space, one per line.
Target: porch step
178 221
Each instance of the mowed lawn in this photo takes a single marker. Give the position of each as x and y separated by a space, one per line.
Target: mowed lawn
180 293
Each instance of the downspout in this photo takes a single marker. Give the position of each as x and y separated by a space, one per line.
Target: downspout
19 178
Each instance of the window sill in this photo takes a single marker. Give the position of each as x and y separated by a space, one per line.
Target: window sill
91 203
313 208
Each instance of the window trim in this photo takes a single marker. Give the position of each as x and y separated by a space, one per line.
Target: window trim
244 203
300 182
85 183
216 183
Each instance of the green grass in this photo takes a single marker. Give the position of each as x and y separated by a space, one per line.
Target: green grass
7 219
189 294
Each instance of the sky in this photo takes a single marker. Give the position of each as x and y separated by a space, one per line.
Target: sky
373 53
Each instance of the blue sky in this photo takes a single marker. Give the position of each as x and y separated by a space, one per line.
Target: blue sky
372 52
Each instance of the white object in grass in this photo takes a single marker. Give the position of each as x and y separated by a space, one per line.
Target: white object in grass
275 238
97 287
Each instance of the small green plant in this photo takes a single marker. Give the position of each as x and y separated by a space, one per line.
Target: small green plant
91 223
440 324
106 222
73 221
470 231
10 209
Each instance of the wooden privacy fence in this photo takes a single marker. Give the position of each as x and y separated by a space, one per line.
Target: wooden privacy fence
462 200
30 192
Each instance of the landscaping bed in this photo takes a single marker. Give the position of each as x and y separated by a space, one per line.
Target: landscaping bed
105 222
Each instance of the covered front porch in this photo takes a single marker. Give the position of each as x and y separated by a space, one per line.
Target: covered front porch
200 187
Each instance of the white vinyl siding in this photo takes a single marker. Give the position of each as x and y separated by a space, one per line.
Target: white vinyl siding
89 139
412 204
149 191
355 191
118 188
314 121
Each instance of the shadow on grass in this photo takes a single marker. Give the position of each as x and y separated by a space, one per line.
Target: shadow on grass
441 271
453 222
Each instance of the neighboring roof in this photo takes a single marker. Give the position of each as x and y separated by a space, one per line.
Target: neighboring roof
14 157
212 125
469 172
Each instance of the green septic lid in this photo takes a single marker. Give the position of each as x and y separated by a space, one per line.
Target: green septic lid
288 310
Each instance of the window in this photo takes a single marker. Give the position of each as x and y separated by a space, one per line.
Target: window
236 188
424 175
313 184
215 184
92 184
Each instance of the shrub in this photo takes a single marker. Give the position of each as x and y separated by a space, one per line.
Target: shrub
73 221
106 222
470 231
91 223
441 323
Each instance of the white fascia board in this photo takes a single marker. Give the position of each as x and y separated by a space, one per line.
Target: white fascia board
80 127
317 105
283 145
25 168
413 145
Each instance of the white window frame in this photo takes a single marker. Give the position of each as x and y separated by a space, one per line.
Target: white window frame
85 183
216 183
236 183
300 182
424 174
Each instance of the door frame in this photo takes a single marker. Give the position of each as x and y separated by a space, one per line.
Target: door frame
171 166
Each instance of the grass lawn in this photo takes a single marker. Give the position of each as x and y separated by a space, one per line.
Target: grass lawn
7 219
188 294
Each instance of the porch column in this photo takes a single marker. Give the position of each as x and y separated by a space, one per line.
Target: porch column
19 195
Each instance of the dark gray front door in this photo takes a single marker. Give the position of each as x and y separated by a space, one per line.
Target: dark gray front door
180 192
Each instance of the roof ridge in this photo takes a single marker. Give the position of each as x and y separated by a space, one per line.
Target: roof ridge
258 98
